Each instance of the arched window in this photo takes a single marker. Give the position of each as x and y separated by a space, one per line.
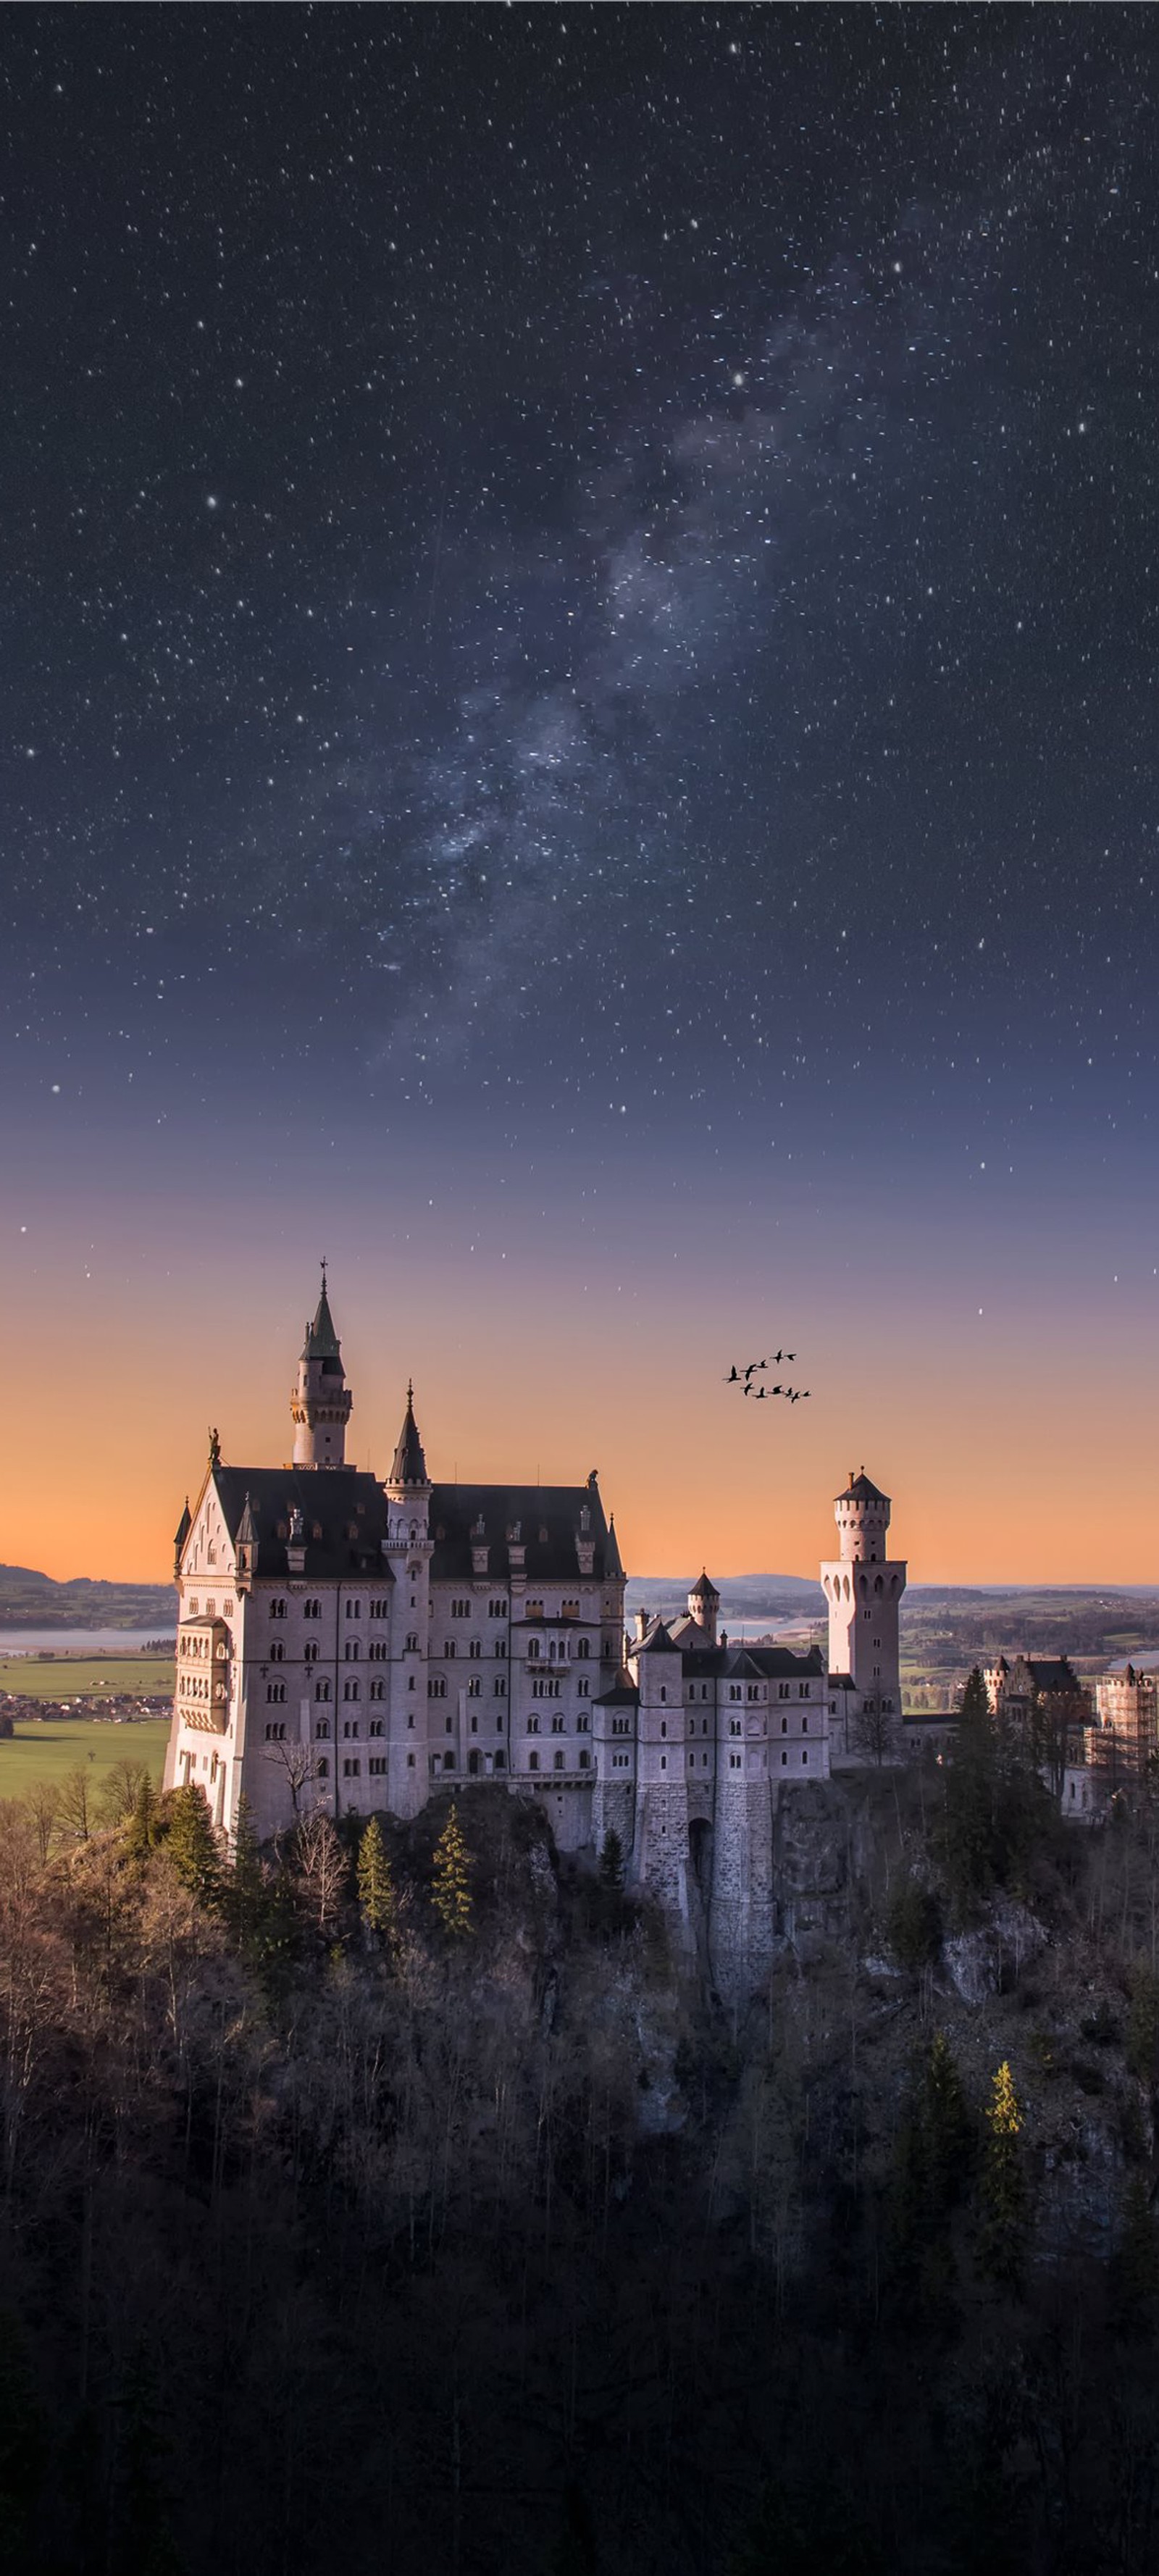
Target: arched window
323 1769
321 1690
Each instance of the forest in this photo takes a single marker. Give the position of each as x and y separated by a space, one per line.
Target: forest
408 2200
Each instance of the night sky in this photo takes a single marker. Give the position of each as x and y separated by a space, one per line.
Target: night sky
579 735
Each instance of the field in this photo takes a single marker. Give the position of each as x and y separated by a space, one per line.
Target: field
36 1754
88 1676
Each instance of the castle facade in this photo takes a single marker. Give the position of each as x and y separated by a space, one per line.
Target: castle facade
354 1644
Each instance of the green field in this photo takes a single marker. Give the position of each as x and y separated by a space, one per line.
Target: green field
88 1676
36 1754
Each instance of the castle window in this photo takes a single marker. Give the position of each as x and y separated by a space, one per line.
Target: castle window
410 1686
474 1690
533 1761
377 1690
496 1609
351 1690
499 1763
804 1757
734 1761
376 1765
354 1608
664 1696
449 1650
663 1761
663 1726
276 1734
784 1726
316 1531
350 1726
322 1729
782 1690
584 1761
500 1691
277 1609
533 1650
559 1726
437 1687
321 1690
351 1651
500 1649
533 1726
352 1770
448 1762
784 1759
583 1647
311 1609
582 1723
460 1609
276 1692
323 1769
193 1609
379 1651
310 1651
410 1762
583 1688
476 1649
412 1643
559 1760
277 1652
804 1726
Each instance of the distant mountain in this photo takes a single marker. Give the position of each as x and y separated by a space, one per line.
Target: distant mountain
31 1600
743 1596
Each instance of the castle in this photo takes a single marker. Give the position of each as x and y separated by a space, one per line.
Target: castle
358 1644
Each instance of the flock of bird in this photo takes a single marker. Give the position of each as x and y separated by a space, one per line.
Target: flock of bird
743 1377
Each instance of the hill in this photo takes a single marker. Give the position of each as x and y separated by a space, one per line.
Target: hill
32 1600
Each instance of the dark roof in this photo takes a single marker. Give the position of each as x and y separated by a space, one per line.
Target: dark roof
183 1528
657 1642
740 1663
336 1500
704 1590
410 1466
621 1695
322 1341
860 1490
1056 1674
612 1559
459 1511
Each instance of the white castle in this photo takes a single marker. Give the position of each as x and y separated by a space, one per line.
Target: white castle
354 1644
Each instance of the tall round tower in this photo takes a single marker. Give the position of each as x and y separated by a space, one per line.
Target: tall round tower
863 1589
321 1401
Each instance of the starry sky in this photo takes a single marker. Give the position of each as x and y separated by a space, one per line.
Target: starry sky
579 735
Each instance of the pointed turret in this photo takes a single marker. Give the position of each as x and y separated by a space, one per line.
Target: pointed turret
321 1401
703 1605
180 1535
613 1563
410 1467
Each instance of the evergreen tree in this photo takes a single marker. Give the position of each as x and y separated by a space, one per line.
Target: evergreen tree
1142 2035
931 2160
1135 2267
971 1784
377 1894
193 1845
611 1860
451 1891
141 1827
246 1894
1002 2240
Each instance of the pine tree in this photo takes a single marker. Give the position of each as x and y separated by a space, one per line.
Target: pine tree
611 1860
1002 2241
377 1895
1135 2268
971 1784
193 1845
451 1891
141 1827
246 1895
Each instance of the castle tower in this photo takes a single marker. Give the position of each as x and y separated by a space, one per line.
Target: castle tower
863 1588
321 1401
703 1607
407 1549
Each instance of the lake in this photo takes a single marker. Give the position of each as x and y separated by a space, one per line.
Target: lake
81 1641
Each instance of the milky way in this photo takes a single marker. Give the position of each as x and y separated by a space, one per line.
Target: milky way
585 556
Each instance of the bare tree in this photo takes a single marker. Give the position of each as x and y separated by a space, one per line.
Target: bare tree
875 1730
296 1760
321 1865
42 1805
75 1802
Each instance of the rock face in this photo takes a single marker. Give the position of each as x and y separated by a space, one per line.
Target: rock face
812 1858
987 1961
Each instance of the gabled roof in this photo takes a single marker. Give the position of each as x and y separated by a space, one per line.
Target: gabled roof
345 1506
657 1641
621 1695
322 1341
547 1518
410 1466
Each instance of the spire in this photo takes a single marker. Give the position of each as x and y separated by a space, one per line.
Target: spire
410 1466
247 1533
613 1563
180 1535
704 1590
322 1341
